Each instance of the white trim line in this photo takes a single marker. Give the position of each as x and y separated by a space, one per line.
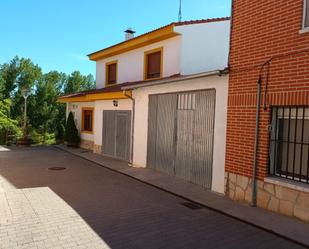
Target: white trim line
180 78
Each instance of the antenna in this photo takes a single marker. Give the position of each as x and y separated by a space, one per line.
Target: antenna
179 13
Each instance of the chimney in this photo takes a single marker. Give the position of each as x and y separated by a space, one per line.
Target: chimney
129 34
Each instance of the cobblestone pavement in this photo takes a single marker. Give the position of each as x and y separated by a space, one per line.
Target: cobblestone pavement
87 206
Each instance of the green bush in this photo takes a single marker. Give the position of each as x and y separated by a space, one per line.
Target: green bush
37 137
8 127
71 133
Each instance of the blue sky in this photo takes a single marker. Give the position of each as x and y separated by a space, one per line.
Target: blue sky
58 34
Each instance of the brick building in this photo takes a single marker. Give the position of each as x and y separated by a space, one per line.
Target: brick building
270 42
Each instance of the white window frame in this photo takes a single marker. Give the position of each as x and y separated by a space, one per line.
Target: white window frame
304 28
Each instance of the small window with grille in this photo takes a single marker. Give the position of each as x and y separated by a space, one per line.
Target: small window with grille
186 101
289 143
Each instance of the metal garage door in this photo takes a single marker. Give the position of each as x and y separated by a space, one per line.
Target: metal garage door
180 135
117 134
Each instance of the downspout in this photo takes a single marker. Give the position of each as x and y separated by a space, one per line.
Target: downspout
133 117
231 32
256 143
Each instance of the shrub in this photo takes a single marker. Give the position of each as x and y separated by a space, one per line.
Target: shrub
71 133
8 127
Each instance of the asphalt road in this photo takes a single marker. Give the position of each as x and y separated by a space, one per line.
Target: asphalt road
122 212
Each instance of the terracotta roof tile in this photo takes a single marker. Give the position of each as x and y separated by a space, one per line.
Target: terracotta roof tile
201 21
116 87
209 20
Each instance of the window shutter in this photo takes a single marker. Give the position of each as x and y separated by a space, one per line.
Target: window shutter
307 14
112 73
154 65
87 122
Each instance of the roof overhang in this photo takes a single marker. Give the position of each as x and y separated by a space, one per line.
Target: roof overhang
137 42
90 97
177 79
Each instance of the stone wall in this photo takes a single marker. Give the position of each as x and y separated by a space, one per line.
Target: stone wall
274 197
86 144
97 149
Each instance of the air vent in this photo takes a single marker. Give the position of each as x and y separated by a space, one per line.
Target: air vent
56 168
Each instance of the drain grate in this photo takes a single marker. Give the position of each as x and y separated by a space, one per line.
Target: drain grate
56 168
192 205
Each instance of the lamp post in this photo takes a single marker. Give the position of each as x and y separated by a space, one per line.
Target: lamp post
25 92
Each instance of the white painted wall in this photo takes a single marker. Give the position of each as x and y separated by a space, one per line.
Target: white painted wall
204 47
76 109
100 105
131 63
199 48
141 97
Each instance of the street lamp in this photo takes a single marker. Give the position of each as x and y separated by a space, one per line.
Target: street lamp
25 92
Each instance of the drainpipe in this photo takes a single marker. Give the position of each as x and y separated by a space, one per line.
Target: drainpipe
133 117
256 143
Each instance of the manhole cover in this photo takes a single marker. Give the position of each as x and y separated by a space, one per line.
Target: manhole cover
56 168
192 205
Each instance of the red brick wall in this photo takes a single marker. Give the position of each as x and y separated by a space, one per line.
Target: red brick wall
262 30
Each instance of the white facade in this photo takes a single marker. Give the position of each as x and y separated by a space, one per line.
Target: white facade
99 106
204 47
141 97
131 64
76 109
198 48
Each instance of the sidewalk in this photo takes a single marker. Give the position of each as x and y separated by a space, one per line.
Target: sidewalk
286 227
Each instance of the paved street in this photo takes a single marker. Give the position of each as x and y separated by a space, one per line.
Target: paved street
88 206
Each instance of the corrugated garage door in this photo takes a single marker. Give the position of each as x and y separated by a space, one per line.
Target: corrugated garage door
117 134
180 135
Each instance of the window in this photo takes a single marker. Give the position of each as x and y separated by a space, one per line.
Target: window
153 64
289 143
111 73
87 120
306 14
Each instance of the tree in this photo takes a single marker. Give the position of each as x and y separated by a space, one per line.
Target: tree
44 114
44 110
77 83
71 133
9 73
7 125
28 74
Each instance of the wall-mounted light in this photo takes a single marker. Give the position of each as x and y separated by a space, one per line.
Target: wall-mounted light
115 103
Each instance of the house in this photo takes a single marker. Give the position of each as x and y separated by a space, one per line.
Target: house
161 101
270 50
